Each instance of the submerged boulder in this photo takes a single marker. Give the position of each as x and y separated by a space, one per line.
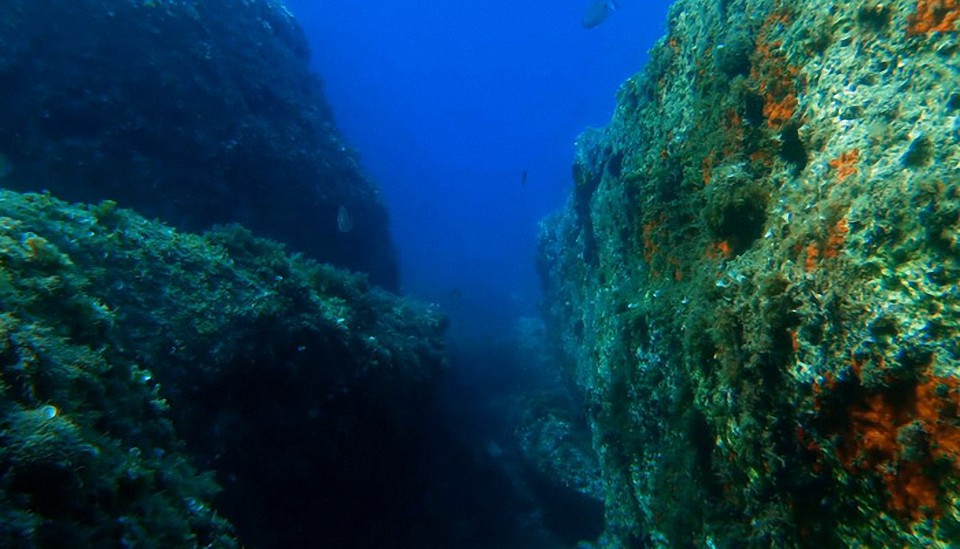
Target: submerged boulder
755 281
196 113
132 353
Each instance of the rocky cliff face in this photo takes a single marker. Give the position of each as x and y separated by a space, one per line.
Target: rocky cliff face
131 353
193 112
755 279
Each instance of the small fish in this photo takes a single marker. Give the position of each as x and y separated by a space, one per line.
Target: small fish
344 220
597 12
523 178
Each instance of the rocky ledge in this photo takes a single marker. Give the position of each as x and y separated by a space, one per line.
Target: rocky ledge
133 355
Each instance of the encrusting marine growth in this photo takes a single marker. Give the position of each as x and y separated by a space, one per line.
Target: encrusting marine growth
755 283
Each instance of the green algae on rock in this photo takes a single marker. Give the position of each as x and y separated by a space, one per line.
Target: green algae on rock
755 281
131 350
89 457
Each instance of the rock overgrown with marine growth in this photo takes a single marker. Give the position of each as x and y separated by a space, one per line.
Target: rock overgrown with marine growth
755 279
196 113
132 354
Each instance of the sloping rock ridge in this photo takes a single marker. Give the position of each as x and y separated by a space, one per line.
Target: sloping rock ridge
196 113
755 280
133 357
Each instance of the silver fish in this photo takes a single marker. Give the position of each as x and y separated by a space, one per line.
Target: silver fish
344 220
597 12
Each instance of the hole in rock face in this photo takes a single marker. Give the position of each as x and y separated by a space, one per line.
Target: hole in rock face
753 109
736 210
792 148
733 59
875 16
615 164
954 102
741 225
919 154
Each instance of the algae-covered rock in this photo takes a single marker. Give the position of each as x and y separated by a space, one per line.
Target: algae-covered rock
129 350
88 457
193 112
549 427
755 282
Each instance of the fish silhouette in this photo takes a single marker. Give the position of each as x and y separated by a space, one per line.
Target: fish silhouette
344 220
597 12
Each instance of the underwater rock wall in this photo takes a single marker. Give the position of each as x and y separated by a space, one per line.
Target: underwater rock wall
755 280
193 112
131 353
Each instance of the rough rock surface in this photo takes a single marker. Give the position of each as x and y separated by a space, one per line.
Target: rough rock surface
192 112
755 281
548 420
302 387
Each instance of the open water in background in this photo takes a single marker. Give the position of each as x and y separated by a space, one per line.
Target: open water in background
465 113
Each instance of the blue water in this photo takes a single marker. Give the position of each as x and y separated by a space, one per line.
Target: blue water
449 103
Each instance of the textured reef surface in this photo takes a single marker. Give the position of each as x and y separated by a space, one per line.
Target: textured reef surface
131 354
193 112
755 280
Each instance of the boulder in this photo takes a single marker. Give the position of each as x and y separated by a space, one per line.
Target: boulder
195 113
